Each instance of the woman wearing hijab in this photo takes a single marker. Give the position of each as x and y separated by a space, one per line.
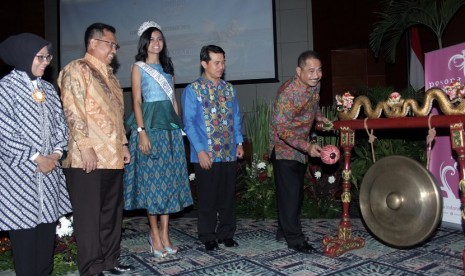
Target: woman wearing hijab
33 136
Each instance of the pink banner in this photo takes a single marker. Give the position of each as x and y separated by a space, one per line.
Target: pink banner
442 67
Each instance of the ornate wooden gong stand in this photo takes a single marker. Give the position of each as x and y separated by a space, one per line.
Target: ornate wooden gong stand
345 241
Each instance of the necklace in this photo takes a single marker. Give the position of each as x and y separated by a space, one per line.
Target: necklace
38 95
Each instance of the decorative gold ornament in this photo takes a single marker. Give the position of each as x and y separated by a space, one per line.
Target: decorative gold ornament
345 197
38 95
395 107
346 175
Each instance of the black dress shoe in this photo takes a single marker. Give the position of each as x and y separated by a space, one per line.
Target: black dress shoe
120 269
229 242
304 247
211 245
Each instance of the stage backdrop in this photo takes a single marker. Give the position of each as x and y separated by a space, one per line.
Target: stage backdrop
442 67
243 28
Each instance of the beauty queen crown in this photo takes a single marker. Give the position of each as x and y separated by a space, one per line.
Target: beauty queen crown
146 25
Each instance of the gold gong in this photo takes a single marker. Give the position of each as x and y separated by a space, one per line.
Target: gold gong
400 201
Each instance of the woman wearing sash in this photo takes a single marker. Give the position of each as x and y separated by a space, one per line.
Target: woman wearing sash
156 178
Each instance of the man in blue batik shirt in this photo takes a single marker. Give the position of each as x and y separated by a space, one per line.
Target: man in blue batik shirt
212 123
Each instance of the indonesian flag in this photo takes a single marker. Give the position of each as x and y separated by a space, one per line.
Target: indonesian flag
417 72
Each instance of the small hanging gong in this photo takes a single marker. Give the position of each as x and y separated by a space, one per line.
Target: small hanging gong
400 201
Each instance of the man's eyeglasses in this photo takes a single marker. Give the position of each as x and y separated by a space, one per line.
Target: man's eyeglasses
43 58
112 44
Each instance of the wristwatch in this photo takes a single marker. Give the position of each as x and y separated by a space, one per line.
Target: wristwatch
139 129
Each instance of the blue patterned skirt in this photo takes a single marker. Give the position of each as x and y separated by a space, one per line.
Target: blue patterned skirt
159 181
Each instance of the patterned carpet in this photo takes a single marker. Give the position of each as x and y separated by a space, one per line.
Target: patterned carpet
260 254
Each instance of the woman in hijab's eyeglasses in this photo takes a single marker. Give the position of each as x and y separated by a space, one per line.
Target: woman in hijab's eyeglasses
33 137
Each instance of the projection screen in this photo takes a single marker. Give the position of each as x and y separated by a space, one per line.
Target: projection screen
245 29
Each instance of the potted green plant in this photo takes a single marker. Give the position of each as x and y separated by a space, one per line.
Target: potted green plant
258 196
401 15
